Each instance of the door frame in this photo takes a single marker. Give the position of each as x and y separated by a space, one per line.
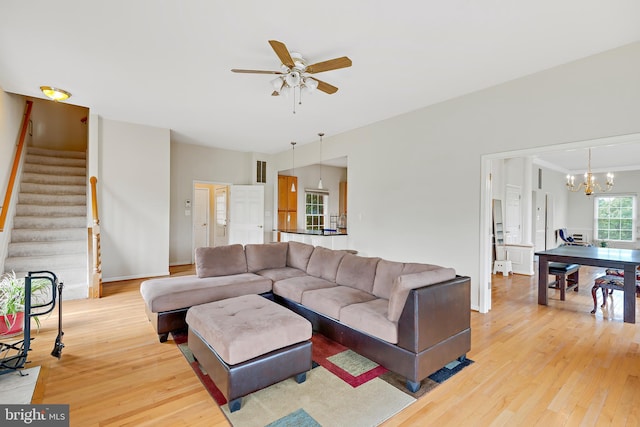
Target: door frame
211 213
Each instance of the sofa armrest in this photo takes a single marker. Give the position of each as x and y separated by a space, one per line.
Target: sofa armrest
406 282
434 313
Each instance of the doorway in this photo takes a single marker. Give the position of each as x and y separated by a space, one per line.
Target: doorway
210 215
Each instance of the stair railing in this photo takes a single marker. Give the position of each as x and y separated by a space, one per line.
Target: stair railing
95 285
16 165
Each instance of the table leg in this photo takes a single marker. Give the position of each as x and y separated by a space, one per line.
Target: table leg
543 279
630 293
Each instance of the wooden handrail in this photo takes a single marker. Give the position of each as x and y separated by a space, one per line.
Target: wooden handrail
16 164
94 200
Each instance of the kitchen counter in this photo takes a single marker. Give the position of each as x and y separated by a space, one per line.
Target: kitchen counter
327 238
326 232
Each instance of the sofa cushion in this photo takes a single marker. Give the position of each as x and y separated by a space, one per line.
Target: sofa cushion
371 317
324 263
173 293
404 283
388 271
293 288
298 255
266 255
220 261
276 274
329 301
357 272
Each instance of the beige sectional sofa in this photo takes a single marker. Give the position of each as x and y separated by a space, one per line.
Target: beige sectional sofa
410 318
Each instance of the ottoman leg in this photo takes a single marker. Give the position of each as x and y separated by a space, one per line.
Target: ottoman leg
235 405
413 386
300 378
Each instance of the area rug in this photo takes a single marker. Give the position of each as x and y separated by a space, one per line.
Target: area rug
16 388
342 388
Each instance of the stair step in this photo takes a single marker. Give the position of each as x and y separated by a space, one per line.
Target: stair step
58 161
67 247
52 199
55 169
27 187
54 210
74 279
57 179
57 153
45 262
49 235
43 222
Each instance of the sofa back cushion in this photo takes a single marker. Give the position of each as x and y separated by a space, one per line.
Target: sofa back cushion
324 263
266 255
388 271
298 255
220 261
357 272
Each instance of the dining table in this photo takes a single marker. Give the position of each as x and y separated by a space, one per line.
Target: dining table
624 259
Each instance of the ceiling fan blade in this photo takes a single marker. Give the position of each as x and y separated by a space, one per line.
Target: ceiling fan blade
236 70
283 53
331 64
325 87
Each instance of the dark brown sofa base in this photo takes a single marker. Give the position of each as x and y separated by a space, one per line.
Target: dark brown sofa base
439 335
236 381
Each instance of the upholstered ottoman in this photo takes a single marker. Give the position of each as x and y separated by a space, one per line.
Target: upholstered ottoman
247 343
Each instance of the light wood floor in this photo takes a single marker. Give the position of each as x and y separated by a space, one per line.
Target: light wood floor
534 365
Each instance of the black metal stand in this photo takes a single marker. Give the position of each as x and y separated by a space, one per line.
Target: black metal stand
13 356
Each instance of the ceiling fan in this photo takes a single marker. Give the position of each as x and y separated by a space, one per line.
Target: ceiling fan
295 73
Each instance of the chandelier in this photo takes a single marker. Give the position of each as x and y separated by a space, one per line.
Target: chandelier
590 185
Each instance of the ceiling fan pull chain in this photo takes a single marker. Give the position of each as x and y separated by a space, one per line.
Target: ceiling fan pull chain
294 100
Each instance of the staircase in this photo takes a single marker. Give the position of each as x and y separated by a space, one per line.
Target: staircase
50 224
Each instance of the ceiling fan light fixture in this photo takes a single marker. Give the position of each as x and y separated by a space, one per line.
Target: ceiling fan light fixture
293 79
277 83
55 94
311 84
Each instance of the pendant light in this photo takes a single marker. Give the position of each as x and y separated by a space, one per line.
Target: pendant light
293 163
321 134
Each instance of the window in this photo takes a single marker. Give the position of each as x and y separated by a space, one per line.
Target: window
315 205
615 217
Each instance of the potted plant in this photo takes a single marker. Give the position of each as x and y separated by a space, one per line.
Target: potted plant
12 299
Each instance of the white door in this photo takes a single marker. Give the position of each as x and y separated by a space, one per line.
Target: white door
220 234
201 218
246 214
513 215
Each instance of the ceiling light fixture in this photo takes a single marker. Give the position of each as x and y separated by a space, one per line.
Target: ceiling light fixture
293 165
55 94
321 134
294 80
590 184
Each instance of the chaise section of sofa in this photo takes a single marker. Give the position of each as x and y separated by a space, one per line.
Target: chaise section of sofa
221 273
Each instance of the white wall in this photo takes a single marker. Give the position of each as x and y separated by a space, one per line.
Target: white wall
191 163
58 126
11 111
414 180
133 194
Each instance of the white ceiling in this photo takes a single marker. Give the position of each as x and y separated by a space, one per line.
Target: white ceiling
168 63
